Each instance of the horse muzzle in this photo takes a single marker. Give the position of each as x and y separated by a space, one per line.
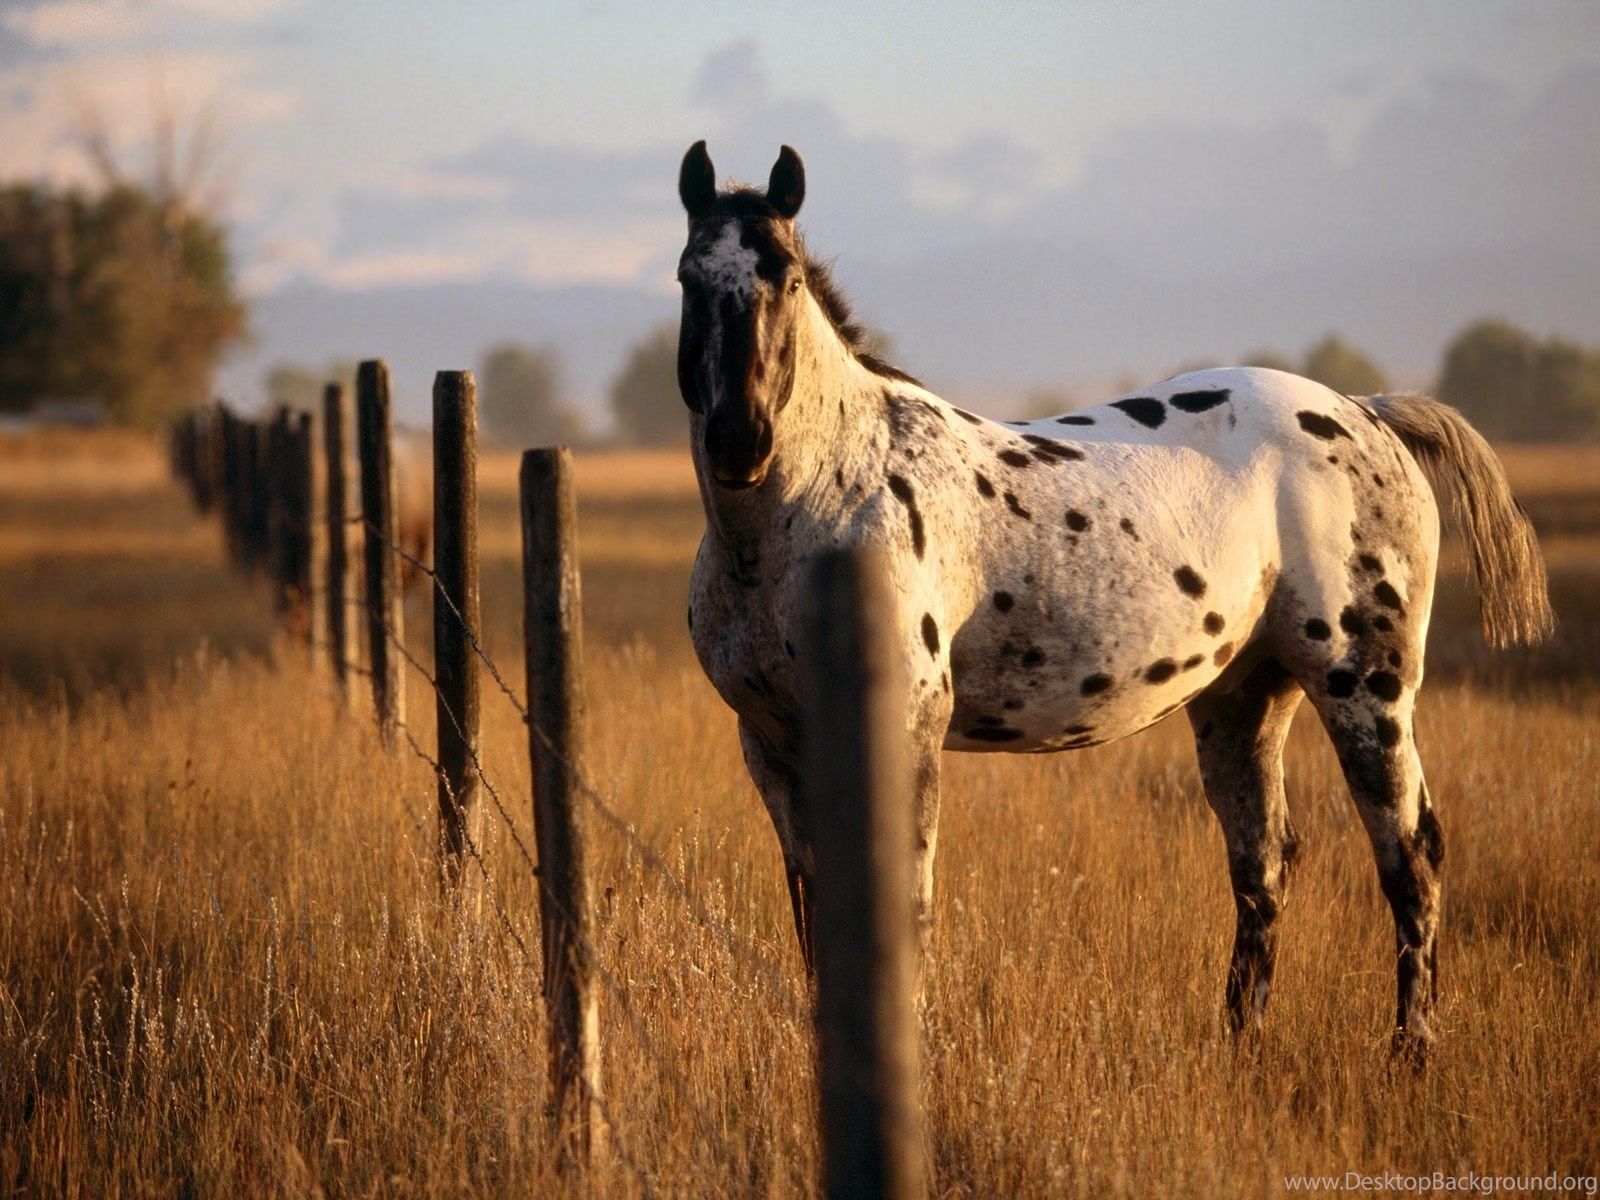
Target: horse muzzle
739 448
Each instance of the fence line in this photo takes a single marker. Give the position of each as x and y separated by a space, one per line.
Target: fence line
251 474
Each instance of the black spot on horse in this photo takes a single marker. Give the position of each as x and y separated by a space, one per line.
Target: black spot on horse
1015 458
1223 655
1377 480
930 634
1190 583
1342 683
903 493
1193 661
1011 704
966 416
1350 621
1318 630
1213 623
1034 657
1385 685
1388 731
1387 596
1077 730
1321 426
1198 402
1369 563
1127 527
1382 624
1076 521
1146 410
1394 658
1160 672
1047 451
993 735
1074 420
1016 507
1093 685
985 488
838 477
1003 601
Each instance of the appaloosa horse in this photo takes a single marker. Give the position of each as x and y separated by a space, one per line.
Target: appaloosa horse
1226 541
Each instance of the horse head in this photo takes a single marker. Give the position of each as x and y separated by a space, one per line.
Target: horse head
743 276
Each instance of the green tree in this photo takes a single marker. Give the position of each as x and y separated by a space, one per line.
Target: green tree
124 296
519 396
1511 385
644 397
1339 365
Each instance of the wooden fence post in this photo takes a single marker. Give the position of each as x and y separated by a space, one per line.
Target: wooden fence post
299 502
855 764
277 484
384 619
337 534
234 494
456 623
557 726
259 442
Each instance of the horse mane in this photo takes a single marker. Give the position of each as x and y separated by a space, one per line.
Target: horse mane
748 202
819 278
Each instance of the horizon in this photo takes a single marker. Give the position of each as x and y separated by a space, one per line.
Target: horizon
1257 179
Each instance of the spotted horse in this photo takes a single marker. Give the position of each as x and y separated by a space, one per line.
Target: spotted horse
1226 542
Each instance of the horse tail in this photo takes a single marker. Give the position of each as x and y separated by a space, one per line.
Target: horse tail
1508 570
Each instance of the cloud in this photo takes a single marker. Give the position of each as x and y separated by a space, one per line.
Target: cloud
1176 239
44 109
732 77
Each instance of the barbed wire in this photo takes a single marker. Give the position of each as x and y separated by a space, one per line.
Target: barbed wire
725 934
613 986
730 940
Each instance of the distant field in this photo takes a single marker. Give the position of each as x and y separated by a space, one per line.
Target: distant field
224 968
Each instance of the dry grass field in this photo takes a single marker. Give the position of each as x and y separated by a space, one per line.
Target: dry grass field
225 969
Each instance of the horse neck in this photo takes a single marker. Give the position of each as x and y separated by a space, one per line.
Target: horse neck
834 415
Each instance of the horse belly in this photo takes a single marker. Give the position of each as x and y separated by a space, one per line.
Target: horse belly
1073 662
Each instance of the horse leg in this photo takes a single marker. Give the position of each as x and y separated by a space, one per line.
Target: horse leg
1372 734
776 776
1239 729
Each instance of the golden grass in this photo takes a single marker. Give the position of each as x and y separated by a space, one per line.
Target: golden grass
224 968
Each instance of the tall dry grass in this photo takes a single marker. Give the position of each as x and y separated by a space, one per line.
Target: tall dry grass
225 967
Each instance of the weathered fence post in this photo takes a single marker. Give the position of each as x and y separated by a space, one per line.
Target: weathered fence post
855 765
259 442
299 503
455 608
384 619
333 504
277 486
235 497
553 637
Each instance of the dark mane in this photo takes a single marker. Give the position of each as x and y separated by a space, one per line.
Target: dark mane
747 204
819 278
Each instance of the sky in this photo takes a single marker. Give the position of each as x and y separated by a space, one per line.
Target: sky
1023 195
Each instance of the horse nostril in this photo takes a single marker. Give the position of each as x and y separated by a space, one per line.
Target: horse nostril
738 442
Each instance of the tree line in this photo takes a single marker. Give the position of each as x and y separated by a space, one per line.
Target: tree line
126 296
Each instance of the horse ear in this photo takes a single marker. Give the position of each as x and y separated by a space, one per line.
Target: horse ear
786 188
697 181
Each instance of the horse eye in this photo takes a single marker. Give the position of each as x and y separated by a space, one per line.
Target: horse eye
794 285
